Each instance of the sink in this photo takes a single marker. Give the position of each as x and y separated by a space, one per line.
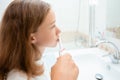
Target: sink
90 64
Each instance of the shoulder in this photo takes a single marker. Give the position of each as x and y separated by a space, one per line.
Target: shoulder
16 75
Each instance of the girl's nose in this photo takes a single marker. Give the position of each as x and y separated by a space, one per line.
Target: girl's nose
58 30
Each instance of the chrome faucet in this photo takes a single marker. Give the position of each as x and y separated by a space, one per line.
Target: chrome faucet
114 57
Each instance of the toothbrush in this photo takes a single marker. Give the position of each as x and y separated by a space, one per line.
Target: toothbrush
61 49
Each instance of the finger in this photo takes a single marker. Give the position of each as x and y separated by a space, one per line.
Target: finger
65 57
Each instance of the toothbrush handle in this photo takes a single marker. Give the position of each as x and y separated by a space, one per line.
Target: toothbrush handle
61 50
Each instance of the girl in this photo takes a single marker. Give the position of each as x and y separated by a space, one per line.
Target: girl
27 27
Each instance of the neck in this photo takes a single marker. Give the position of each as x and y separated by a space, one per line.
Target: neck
41 49
39 54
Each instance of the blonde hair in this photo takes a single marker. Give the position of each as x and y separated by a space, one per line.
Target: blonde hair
21 18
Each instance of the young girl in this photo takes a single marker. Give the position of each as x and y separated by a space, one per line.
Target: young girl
27 27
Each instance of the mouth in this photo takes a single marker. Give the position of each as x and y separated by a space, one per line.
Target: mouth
58 40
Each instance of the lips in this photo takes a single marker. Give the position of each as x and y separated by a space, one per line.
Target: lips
58 40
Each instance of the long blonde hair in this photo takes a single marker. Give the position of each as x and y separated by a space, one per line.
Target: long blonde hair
21 18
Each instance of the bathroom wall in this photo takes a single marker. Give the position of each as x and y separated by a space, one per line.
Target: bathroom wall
100 16
84 17
113 13
3 5
113 21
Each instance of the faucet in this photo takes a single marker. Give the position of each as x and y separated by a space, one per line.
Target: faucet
116 56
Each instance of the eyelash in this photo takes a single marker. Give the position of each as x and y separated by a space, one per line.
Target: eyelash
53 26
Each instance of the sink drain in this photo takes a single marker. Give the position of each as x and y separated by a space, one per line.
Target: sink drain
99 76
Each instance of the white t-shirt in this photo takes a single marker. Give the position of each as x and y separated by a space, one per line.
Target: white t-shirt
19 75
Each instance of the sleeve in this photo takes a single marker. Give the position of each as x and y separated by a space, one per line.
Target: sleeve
17 75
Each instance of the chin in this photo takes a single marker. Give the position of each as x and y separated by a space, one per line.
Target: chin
53 45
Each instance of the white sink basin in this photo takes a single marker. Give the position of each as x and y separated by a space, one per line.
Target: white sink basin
90 63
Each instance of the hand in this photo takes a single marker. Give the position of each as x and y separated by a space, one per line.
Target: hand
64 69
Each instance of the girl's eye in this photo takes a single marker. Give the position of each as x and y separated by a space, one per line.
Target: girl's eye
53 26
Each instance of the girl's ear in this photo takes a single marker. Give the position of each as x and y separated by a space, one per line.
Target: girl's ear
33 38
